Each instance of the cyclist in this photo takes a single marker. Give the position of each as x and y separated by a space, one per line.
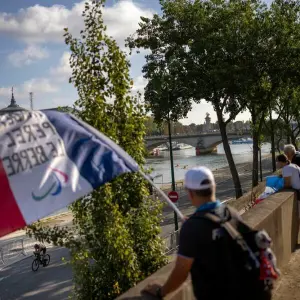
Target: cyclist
40 249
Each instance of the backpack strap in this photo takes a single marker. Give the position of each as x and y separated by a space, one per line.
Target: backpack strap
225 224
235 235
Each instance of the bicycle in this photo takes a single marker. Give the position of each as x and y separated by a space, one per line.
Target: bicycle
38 261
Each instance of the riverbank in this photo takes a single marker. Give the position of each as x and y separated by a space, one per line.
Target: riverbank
225 190
223 173
186 159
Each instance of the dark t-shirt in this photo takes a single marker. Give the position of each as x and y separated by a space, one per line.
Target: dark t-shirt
213 276
296 159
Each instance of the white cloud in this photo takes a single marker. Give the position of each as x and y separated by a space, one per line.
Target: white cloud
63 71
39 86
198 113
27 56
139 84
40 24
123 18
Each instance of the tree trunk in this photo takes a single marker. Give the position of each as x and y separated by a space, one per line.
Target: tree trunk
231 163
255 158
258 121
272 140
278 145
273 151
287 130
293 140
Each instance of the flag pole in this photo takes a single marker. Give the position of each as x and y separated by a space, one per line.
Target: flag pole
166 198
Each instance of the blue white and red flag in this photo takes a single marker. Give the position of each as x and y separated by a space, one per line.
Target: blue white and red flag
49 159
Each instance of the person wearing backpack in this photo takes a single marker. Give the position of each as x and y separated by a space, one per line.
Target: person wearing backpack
226 258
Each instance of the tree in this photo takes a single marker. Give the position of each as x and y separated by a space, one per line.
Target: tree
67 109
272 61
288 108
151 127
200 43
268 130
278 133
118 224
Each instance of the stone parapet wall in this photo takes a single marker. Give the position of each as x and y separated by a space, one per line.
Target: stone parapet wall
278 215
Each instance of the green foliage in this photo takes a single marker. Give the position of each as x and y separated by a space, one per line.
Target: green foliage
198 53
195 46
68 109
279 132
271 61
236 55
152 128
287 106
117 226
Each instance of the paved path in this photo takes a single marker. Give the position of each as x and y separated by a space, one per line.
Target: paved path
19 282
288 287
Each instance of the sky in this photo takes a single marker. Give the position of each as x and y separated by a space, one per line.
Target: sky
34 57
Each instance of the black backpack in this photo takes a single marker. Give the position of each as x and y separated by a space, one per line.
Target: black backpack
254 262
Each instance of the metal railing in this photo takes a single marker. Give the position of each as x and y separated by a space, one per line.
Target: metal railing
171 242
11 250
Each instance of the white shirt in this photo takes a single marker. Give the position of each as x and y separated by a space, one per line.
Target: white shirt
292 171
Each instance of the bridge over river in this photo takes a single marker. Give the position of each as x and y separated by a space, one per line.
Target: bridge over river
204 142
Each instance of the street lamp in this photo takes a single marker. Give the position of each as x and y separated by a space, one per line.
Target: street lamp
260 166
171 153
172 167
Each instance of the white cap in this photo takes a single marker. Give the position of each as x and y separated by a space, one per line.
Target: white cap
195 176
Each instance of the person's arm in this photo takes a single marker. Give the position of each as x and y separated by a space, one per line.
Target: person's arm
287 182
287 176
182 267
178 276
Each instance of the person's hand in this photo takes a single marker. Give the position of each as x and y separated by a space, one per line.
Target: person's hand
152 289
185 218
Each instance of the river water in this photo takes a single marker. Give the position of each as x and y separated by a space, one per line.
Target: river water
186 159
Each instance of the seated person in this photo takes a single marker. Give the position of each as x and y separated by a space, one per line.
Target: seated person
292 155
290 172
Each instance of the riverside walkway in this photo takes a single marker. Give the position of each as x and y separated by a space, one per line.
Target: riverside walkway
288 287
279 216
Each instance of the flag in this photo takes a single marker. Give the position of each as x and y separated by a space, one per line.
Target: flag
49 159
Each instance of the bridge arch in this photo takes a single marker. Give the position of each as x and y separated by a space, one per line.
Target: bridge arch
203 141
214 145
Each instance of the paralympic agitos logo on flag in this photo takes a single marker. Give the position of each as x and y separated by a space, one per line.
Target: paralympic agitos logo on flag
81 160
56 176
